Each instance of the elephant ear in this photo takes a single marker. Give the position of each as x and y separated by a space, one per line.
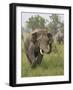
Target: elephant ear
34 37
50 37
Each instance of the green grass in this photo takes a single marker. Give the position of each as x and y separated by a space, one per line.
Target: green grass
52 64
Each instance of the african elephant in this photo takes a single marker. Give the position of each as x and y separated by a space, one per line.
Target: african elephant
59 37
38 43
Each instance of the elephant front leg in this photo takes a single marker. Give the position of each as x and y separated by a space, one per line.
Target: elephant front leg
32 60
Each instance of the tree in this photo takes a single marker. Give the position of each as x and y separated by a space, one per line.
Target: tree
55 23
36 22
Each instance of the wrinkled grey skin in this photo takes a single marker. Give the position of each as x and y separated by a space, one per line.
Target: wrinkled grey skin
39 43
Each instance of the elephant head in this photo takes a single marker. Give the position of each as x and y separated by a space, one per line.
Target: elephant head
43 39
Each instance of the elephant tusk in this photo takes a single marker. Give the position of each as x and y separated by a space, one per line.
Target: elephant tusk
41 52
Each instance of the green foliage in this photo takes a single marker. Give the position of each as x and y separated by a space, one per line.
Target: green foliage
36 22
55 23
52 64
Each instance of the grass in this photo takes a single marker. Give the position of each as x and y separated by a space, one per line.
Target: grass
52 64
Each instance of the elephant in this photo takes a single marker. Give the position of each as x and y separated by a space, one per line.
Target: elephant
38 43
58 37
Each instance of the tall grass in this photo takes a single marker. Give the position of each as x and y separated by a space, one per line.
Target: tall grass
52 64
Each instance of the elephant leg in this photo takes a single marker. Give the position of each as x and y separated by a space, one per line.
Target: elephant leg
31 59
